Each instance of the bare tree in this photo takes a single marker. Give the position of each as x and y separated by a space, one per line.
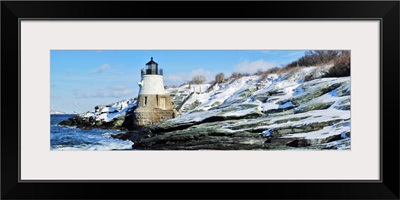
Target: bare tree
198 79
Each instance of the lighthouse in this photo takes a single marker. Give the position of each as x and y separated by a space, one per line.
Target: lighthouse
153 105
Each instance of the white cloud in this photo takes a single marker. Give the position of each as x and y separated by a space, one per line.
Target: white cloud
111 92
252 67
101 69
174 78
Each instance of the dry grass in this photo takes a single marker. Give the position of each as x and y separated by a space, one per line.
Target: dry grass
289 69
341 62
341 66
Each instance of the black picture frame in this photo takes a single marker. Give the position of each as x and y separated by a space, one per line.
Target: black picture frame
386 11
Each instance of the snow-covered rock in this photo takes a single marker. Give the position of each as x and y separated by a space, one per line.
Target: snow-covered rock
109 116
109 112
296 109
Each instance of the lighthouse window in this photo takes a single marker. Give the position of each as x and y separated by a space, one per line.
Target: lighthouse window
162 103
145 101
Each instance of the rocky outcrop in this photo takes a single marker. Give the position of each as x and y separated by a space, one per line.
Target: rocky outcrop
248 113
121 122
114 116
201 138
312 115
215 135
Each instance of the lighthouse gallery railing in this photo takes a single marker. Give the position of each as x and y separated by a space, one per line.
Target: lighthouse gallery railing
160 71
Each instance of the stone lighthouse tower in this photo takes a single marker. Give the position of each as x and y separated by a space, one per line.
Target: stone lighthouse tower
154 105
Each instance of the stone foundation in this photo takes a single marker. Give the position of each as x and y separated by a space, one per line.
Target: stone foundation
143 118
152 109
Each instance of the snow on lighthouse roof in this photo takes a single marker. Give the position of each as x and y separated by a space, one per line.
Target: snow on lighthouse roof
151 62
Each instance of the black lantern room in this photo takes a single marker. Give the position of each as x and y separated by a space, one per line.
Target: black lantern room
152 68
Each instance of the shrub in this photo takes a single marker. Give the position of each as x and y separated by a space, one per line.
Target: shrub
338 71
312 58
343 59
292 64
219 78
236 75
341 66
288 69
259 72
273 70
198 79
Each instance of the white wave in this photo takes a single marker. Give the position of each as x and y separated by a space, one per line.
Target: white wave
103 146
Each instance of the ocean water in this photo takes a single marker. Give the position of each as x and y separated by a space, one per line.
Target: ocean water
75 139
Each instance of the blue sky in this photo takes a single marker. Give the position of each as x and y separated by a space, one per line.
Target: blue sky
82 79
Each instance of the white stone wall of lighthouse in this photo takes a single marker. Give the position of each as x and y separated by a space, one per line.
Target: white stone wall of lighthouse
151 84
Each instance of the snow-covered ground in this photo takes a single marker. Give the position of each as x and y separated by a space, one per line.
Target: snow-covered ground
110 112
281 97
283 102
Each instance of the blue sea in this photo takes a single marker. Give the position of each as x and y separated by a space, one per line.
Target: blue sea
76 139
